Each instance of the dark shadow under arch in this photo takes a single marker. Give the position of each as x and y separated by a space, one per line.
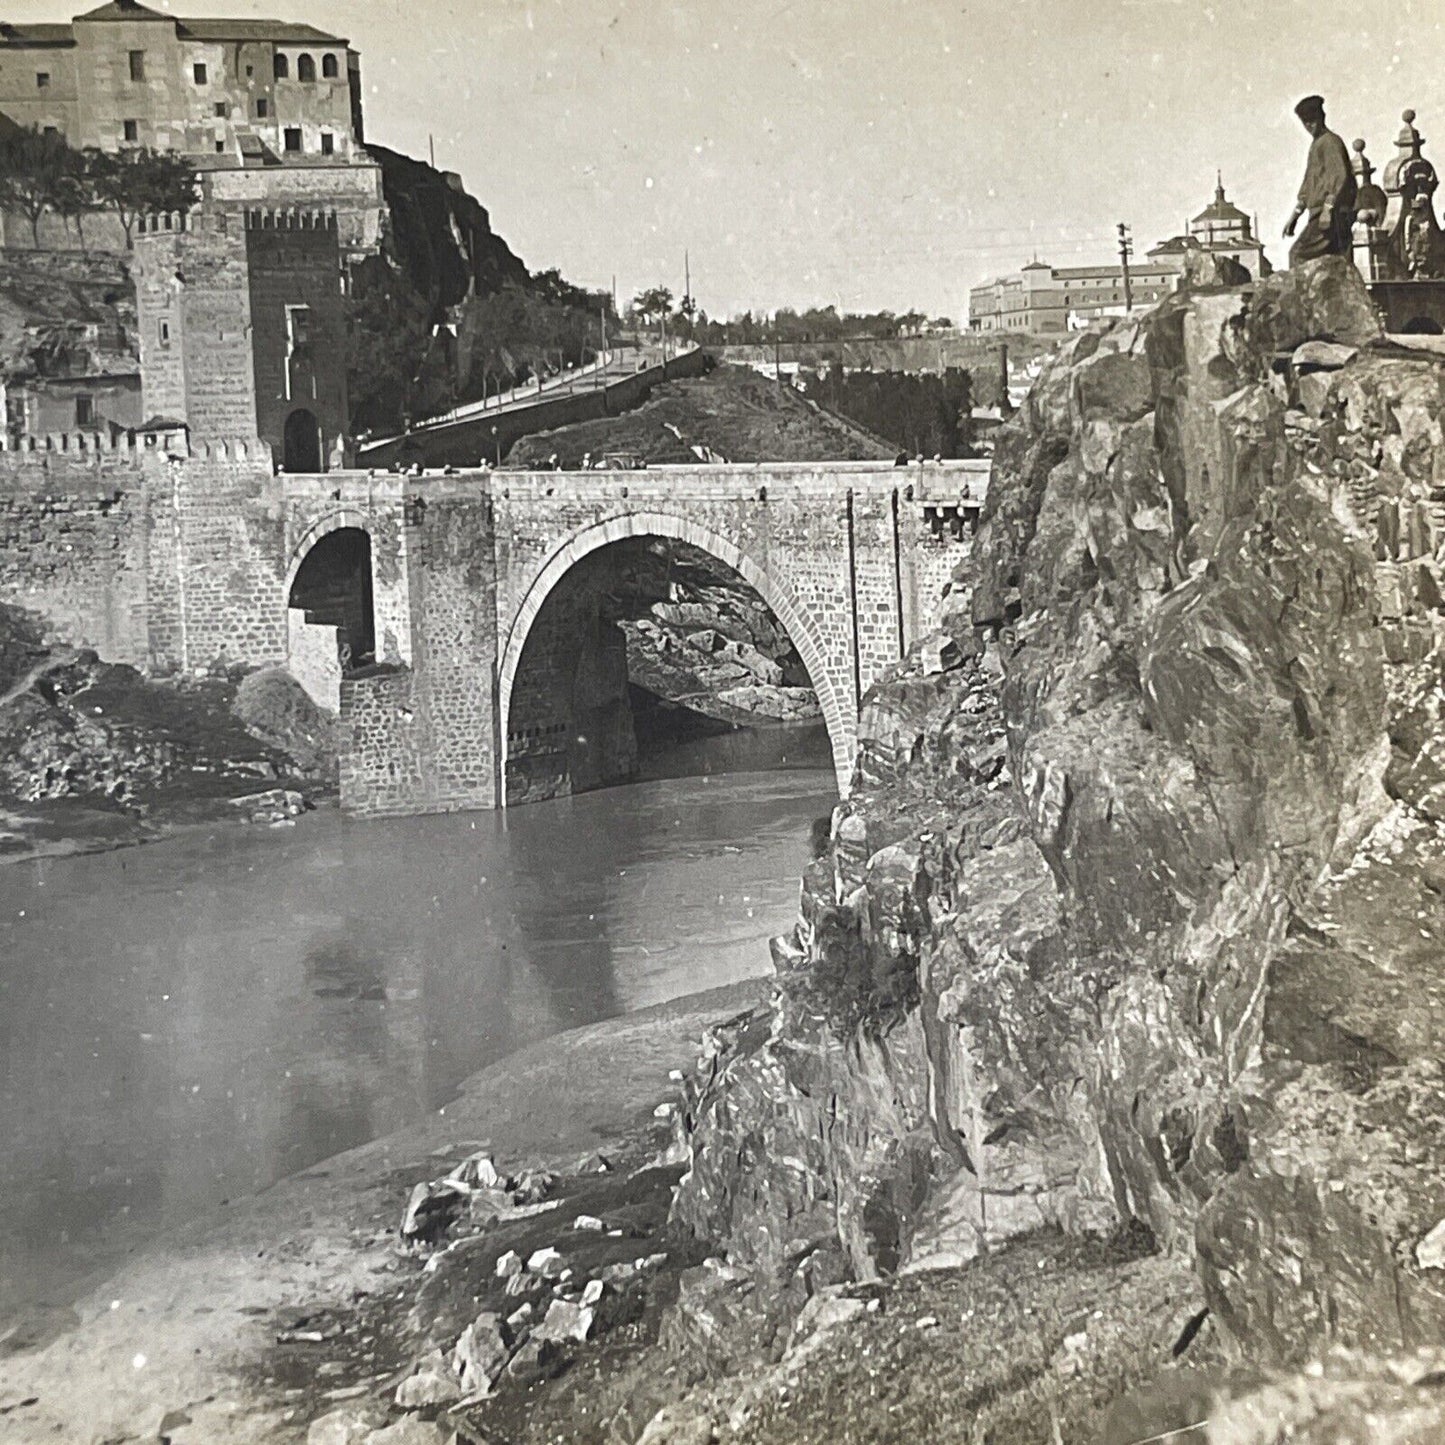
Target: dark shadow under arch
333 587
567 698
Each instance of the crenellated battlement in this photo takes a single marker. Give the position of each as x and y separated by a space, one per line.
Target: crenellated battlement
81 447
165 223
293 218
79 444
234 449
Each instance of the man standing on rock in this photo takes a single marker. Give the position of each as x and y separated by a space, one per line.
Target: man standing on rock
1327 195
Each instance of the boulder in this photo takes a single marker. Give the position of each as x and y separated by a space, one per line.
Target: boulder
480 1355
351 1424
432 1383
564 1322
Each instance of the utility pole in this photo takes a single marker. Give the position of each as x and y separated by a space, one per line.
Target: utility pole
431 141
1126 250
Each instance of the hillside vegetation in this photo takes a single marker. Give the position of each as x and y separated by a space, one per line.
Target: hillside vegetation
65 315
733 412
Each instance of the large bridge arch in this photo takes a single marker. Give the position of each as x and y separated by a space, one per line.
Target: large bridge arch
838 716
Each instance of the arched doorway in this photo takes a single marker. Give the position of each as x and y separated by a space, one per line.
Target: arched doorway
333 588
1421 326
565 712
302 449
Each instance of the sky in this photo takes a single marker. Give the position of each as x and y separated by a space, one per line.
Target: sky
865 153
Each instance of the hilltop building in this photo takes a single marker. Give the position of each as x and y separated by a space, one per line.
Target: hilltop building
1044 300
1220 229
270 112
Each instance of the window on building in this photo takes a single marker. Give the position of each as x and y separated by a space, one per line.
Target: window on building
250 71
329 67
298 328
263 108
137 65
220 147
222 110
293 138
52 130
84 411
131 130
199 71
282 67
163 333
328 143
305 68
42 80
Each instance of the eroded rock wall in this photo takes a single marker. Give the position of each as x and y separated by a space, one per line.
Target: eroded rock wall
1133 914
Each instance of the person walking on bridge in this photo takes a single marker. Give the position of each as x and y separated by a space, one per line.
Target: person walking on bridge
1327 195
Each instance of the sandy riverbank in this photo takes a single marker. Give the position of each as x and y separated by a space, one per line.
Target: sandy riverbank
181 1333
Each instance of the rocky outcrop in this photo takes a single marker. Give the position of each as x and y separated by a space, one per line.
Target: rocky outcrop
75 729
439 235
712 646
1132 916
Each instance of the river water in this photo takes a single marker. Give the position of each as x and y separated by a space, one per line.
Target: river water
185 1023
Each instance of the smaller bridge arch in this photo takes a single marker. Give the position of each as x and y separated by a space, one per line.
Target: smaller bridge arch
802 631
319 527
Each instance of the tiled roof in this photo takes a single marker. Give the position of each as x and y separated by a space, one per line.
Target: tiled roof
21 36
275 32
278 32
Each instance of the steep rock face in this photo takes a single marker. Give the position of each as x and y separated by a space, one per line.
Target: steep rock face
1133 912
441 236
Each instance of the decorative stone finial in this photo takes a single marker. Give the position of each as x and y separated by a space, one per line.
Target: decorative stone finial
1409 138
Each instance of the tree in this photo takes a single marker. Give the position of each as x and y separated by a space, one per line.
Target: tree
33 168
656 302
139 182
75 194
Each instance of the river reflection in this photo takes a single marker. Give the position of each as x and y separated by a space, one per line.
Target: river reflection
188 1022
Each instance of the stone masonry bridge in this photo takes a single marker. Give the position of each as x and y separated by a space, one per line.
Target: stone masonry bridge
495 678
512 692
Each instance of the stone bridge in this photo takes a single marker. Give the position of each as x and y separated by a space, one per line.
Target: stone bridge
490 674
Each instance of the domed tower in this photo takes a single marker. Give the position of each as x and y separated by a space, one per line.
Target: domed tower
1415 250
1371 239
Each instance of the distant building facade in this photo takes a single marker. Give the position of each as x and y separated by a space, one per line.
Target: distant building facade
1049 300
270 112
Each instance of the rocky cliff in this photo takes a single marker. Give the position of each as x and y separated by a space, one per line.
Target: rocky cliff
1133 916
440 235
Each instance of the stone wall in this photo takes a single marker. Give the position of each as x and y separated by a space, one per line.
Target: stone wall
73 547
193 308
293 267
100 232
217 581
382 771
313 659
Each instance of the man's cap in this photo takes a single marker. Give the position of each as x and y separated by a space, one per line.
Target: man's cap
1312 107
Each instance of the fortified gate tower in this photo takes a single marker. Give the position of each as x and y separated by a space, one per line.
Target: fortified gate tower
243 330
